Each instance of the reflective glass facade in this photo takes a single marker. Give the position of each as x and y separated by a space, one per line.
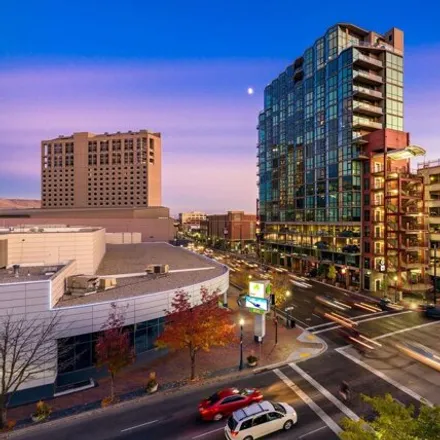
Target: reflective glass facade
310 147
79 353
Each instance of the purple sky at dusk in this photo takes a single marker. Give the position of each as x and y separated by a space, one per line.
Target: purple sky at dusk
207 120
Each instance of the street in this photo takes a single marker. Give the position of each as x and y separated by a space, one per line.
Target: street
311 386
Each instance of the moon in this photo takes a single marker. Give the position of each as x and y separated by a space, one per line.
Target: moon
250 91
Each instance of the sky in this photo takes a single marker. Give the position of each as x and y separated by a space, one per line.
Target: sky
181 68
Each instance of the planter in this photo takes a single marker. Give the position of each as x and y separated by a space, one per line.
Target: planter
252 364
152 389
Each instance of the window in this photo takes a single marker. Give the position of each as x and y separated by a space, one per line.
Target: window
246 424
274 416
232 399
260 420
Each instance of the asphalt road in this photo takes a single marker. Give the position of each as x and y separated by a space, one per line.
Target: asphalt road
311 386
175 417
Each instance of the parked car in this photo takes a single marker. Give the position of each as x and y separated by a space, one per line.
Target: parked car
259 420
225 402
432 312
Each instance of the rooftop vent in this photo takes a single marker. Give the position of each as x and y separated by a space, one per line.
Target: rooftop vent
157 269
16 268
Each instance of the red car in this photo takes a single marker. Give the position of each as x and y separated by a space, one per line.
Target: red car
225 402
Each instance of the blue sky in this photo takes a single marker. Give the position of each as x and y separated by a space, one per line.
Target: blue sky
181 68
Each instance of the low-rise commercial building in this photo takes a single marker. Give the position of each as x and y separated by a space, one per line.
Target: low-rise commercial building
49 281
190 221
234 230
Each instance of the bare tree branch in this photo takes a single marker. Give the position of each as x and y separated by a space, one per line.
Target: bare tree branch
28 348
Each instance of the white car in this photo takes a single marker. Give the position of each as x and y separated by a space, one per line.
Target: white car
260 419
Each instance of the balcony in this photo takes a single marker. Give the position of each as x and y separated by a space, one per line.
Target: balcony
367 93
359 140
434 186
415 245
433 203
413 264
367 77
367 109
366 124
414 228
367 62
411 194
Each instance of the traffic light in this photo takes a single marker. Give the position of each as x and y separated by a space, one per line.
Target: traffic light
272 299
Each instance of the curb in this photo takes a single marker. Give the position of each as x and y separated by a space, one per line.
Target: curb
288 361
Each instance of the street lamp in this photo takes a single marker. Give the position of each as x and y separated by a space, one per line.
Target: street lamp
288 292
250 277
240 367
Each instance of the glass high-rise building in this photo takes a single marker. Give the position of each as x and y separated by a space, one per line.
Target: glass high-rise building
311 140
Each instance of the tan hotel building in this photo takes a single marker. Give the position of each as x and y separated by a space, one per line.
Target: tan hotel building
110 180
105 170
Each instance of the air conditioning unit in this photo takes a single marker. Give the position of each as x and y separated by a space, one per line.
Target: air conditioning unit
157 268
82 285
107 283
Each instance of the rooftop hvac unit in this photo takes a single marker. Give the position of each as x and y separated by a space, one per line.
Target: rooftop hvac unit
82 285
157 268
107 283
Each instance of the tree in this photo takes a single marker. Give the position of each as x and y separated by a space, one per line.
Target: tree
28 347
280 284
197 328
113 348
394 422
331 274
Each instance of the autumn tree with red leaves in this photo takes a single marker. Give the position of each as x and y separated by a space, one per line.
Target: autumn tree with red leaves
198 327
113 348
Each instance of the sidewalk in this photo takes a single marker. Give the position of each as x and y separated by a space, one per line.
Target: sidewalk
173 369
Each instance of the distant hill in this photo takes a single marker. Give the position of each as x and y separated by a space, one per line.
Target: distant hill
19 203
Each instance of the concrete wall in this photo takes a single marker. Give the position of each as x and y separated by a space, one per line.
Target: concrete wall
59 282
123 238
48 248
30 299
151 229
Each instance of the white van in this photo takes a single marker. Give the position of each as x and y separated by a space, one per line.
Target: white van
260 419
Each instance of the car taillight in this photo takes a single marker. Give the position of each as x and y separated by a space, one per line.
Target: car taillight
234 433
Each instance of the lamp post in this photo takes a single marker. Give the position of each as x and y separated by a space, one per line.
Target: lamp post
240 367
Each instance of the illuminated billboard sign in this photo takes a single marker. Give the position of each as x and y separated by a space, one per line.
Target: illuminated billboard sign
256 288
260 289
256 304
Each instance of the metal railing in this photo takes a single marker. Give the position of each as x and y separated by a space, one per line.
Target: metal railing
367 91
367 75
384 46
368 59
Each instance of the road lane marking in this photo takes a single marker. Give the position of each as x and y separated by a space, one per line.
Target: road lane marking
310 403
207 433
373 318
139 426
312 432
384 377
408 329
347 411
353 318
